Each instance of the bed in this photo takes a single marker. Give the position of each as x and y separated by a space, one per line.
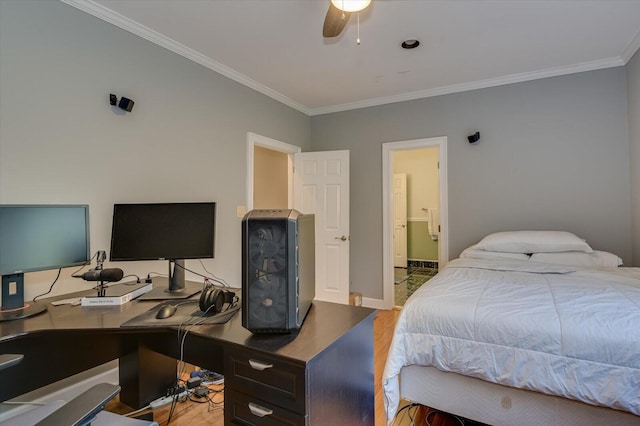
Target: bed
525 328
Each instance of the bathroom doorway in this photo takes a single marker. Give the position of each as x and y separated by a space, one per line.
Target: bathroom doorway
416 219
415 215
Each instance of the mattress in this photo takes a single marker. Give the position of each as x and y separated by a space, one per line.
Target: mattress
554 329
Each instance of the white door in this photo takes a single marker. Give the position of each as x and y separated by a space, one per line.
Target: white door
400 220
321 187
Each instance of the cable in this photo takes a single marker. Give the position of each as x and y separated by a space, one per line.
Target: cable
185 329
187 302
434 412
85 265
216 405
208 394
197 391
398 414
131 275
156 273
220 281
139 410
181 364
181 396
217 279
58 276
213 277
173 407
51 287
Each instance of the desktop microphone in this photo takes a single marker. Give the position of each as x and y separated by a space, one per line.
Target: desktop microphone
107 275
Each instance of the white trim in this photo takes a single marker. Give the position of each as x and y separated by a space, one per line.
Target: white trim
108 15
631 48
367 302
387 208
482 84
254 139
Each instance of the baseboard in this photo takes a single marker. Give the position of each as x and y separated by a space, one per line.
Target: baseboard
374 303
65 389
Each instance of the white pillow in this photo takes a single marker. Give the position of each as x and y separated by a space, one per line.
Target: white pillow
475 253
533 242
597 259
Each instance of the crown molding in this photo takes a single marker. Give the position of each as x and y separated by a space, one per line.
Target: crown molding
631 48
105 14
108 15
456 88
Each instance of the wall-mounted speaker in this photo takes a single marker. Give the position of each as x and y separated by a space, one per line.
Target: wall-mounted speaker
474 137
126 104
278 270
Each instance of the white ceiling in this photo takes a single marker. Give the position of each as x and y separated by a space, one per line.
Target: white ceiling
277 48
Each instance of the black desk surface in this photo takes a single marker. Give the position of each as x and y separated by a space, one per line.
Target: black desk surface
324 324
323 373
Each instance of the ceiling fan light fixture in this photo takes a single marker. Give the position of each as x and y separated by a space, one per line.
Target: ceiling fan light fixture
351 5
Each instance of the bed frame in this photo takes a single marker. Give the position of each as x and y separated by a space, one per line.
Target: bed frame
499 405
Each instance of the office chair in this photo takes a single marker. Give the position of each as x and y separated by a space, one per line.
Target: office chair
85 409
9 360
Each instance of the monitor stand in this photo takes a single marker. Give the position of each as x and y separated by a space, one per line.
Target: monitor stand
174 287
160 290
13 304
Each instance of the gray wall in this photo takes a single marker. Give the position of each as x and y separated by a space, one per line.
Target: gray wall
553 154
633 82
61 141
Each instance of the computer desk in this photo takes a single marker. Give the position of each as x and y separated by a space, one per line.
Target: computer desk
319 375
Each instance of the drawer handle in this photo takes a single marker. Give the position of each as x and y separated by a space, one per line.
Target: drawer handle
257 365
259 411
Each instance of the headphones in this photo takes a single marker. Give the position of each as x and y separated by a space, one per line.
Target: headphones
213 299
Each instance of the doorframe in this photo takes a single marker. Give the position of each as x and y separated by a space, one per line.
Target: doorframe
388 150
254 139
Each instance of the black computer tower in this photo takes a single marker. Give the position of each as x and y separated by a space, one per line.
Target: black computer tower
278 270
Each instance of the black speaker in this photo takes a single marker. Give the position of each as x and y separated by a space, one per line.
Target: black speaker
126 104
278 270
474 137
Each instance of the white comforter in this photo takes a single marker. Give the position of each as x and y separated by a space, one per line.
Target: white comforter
553 329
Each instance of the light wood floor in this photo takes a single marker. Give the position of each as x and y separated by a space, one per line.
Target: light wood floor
196 414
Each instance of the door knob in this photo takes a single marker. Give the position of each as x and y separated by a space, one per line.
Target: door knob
343 238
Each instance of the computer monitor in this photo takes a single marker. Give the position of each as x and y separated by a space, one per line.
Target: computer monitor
37 238
165 231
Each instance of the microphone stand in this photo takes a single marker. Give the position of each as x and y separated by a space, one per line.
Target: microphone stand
101 256
102 289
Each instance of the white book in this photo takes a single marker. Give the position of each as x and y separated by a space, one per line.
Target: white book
117 295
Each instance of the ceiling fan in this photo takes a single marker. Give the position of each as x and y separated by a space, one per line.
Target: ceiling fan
338 15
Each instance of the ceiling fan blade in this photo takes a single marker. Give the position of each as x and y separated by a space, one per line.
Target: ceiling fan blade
334 23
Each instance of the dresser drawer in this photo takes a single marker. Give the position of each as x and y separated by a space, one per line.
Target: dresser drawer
241 409
266 377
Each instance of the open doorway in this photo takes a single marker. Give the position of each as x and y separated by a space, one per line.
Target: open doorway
316 183
416 223
269 173
426 210
270 179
